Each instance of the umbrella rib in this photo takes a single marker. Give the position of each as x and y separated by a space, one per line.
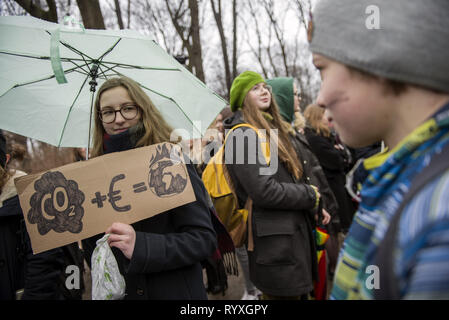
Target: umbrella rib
72 48
42 57
122 65
25 56
130 66
70 110
81 67
100 65
39 80
109 50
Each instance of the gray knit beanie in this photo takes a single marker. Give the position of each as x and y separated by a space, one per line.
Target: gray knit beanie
403 40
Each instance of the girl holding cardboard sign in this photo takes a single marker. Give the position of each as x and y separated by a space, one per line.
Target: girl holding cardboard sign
160 256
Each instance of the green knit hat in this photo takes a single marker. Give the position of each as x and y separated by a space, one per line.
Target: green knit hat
240 87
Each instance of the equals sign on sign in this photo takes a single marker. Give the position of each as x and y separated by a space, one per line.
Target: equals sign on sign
139 187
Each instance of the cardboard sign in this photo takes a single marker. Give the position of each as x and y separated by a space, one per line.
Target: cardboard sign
82 199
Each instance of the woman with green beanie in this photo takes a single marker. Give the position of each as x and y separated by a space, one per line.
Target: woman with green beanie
282 206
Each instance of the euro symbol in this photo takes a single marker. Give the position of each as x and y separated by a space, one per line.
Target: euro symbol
114 195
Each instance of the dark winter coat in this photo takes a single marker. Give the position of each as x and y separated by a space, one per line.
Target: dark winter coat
314 174
39 275
11 264
332 162
165 264
283 262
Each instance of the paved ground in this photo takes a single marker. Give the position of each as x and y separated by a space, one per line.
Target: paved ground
234 291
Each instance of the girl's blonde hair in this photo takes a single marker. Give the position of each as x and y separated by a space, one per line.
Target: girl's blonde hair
286 152
5 175
314 116
299 123
16 152
156 128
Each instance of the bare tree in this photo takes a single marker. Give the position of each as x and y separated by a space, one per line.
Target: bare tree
188 29
118 12
37 10
196 54
304 12
91 13
279 33
257 52
216 9
129 14
234 39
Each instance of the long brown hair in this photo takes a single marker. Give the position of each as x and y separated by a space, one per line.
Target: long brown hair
5 175
156 128
286 152
314 116
16 152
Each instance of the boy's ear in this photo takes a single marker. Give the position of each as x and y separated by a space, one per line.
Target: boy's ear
8 156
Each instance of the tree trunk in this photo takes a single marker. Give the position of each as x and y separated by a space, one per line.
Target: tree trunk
91 14
36 11
224 48
118 12
234 40
196 56
129 13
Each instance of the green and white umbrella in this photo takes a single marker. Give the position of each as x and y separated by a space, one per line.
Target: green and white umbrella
48 72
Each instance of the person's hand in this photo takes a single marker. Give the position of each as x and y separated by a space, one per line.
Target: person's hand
326 217
123 237
338 147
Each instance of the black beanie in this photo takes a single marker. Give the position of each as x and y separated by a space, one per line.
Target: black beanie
2 150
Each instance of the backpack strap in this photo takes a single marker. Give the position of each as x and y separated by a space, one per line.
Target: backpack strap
265 145
249 202
389 288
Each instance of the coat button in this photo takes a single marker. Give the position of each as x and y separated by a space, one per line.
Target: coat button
308 178
2 263
139 291
305 161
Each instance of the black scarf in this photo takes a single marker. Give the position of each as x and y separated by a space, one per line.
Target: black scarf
123 141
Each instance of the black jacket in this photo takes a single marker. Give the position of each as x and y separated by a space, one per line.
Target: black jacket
40 274
169 247
11 263
333 164
314 174
283 262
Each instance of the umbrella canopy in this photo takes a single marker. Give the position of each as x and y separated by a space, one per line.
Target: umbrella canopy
48 73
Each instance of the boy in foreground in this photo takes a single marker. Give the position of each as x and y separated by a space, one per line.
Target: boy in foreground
385 76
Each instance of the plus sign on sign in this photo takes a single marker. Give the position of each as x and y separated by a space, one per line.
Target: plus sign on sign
82 199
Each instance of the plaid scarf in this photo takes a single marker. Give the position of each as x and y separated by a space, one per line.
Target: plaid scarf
381 194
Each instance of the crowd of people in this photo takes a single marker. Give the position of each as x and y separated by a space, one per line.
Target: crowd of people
381 118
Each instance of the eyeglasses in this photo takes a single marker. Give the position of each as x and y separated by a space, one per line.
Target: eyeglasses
128 112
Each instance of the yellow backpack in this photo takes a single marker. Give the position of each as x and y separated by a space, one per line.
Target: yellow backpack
217 182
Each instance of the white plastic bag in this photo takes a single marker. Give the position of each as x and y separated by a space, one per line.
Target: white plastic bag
107 282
